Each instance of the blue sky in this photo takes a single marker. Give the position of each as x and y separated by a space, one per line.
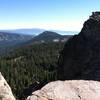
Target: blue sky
48 14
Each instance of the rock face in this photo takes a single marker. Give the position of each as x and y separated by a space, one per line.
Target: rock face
80 58
5 90
68 90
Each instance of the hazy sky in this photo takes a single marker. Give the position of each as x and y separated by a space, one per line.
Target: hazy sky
48 14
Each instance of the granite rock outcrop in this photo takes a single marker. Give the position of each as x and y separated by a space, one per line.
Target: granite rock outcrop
80 58
68 90
5 90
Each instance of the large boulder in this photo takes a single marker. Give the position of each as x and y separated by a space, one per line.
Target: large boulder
5 90
68 90
80 58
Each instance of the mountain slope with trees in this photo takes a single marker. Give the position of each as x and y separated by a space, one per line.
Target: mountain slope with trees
30 64
49 36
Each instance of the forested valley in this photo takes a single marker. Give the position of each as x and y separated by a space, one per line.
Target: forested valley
29 64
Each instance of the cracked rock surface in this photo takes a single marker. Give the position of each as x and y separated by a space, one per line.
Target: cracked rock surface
68 90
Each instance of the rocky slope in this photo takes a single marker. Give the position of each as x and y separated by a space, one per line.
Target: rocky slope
80 58
68 90
5 90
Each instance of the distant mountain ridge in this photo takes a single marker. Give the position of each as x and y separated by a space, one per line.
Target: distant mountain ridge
11 40
13 36
37 31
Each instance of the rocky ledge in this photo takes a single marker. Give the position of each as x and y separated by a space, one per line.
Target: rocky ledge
95 16
5 90
68 90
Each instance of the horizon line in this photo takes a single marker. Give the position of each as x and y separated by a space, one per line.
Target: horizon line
7 29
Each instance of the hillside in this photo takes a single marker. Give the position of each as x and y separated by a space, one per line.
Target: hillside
28 64
49 36
10 40
13 36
